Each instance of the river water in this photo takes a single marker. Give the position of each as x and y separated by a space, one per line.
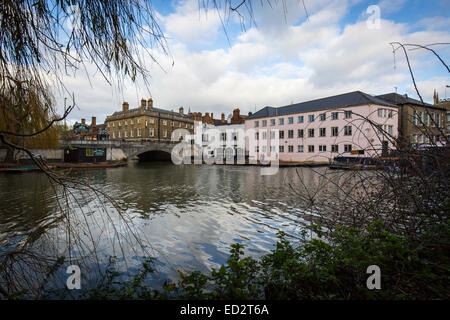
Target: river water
188 215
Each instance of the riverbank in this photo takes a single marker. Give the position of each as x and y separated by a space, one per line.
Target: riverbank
15 168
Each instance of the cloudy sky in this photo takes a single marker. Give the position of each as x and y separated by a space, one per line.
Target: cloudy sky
286 54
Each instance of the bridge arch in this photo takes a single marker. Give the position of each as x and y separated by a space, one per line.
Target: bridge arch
156 148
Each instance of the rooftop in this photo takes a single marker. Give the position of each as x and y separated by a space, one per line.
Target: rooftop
151 109
399 99
342 100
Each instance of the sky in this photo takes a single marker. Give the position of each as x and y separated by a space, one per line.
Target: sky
284 54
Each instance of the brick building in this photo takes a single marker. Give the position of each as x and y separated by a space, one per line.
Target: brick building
146 123
417 123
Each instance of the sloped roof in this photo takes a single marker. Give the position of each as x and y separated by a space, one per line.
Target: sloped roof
399 99
343 100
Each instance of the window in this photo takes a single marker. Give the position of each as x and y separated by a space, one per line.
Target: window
310 148
438 120
257 149
281 148
323 116
139 121
165 133
126 134
322 132
334 115
131 121
300 148
164 122
390 129
120 123
264 123
290 120
347 114
300 119
421 117
281 121
272 149
311 118
334 148
281 134
347 130
272 134
290 149
264 149
347 148
272 122
311 133
380 112
300 133
256 124
334 131
414 138
131 133
126 122
322 148
390 114
146 123
120 135
290 134
223 136
414 117
256 136
114 135
432 119
152 121
152 132
264 135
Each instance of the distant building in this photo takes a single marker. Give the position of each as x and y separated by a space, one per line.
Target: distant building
444 103
418 123
83 131
350 124
147 123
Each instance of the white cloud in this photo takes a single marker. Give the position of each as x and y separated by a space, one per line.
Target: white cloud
274 64
190 25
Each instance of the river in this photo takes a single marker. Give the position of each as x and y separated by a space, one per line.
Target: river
186 216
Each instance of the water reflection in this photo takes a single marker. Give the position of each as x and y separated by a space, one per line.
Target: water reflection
188 214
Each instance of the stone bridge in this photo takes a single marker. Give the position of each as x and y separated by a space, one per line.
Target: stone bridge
120 150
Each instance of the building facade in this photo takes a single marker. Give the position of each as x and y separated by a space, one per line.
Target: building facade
444 103
147 123
418 123
351 124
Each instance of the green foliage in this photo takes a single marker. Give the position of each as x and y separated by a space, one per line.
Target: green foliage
328 267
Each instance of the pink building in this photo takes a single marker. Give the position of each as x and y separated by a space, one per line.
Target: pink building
351 124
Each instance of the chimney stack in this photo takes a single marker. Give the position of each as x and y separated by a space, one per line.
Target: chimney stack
222 117
150 103
94 121
125 106
143 103
212 116
83 121
181 110
250 113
